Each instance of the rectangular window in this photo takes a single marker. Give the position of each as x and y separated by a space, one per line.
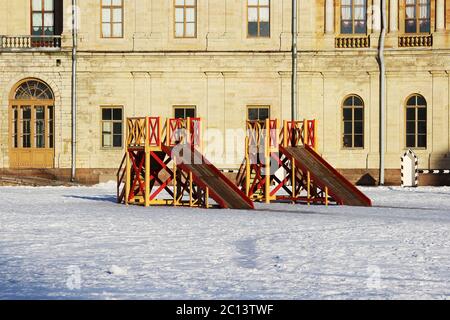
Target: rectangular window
258 18
418 16
353 16
42 18
112 18
185 18
258 113
112 127
184 112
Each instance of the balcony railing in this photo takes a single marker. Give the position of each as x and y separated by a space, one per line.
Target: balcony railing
30 43
352 42
415 41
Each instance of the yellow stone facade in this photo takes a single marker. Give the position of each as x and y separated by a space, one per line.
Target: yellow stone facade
222 71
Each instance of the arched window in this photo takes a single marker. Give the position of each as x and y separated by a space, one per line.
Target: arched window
33 89
353 122
353 16
416 122
418 16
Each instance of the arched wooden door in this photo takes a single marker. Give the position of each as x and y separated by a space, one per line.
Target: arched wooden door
31 125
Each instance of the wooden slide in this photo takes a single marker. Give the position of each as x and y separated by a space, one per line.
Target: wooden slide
206 175
324 175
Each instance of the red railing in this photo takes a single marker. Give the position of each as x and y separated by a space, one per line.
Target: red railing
154 131
195 131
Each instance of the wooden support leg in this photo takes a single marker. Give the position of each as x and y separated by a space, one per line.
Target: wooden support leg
191 200
128 178
309 187
175 183
293 181
267 191
147 179
326 196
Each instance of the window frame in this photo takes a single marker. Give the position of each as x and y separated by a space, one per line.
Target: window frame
343 121
184 107
42 12
416 108
184 7
111 23
112 121
258 6
417 18
258 106
366 16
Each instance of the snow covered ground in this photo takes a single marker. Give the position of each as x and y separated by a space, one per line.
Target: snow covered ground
68 243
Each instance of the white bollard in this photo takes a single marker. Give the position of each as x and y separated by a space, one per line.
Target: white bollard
410 169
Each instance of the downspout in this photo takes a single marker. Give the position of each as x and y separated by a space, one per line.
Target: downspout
382 97
294 61
74 89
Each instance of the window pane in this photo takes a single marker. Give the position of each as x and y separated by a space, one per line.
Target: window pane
422 114
264 29
48 20
190 113
117 128
252 114
359 141
117 15
37 19
411 101
422 141
421 101
411 127
410 114
179 113
360 27
190 30
422 127
117 30
106 15
410 141
106 30
252 15
48 5
359 113
348 141
190 15
37 5
263 114
348 114
107 140
179 15
264 14
106 114
179 29
358 127
253 29
107 127
117 114
348 128
117 143
411 26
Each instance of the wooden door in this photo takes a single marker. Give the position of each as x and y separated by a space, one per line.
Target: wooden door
31 130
